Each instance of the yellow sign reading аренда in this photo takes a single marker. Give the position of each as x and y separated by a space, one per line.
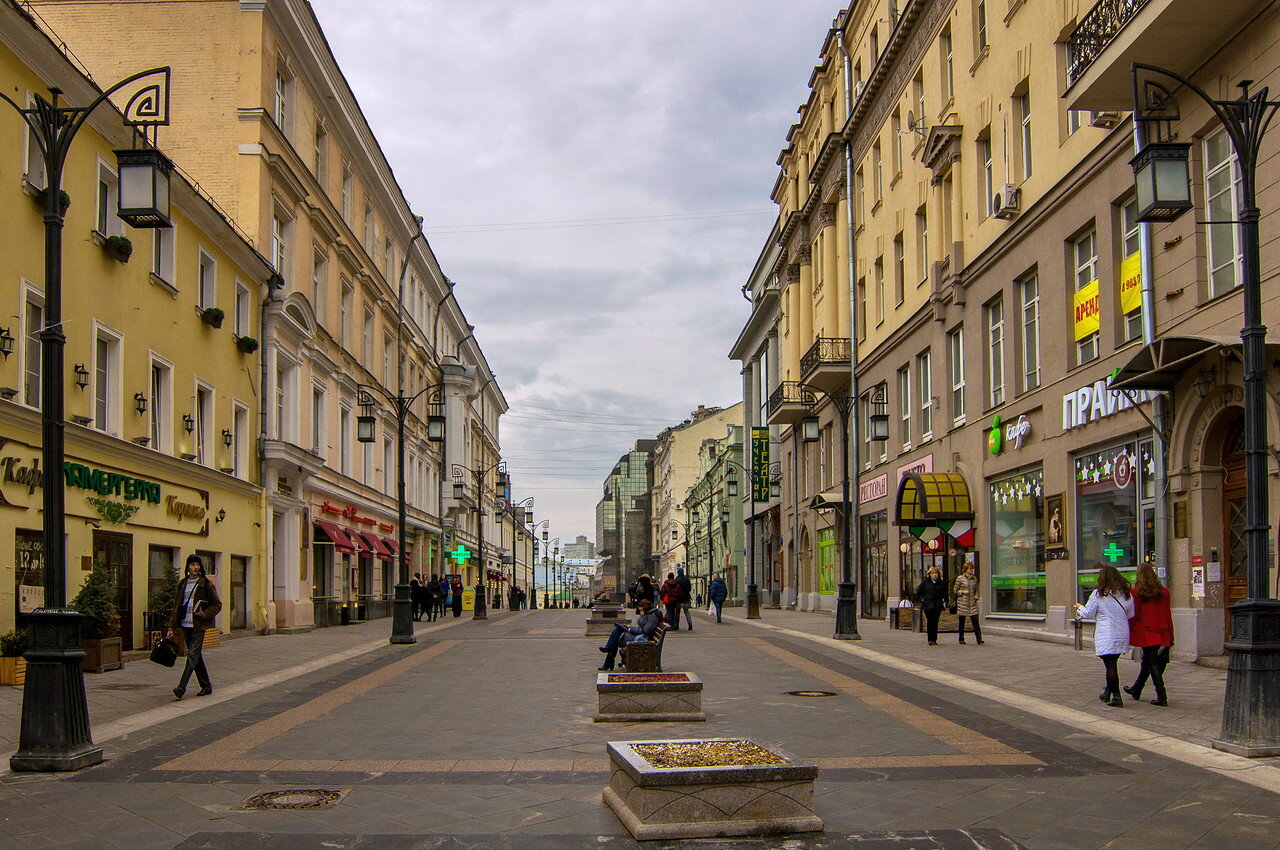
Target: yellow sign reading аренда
1087 311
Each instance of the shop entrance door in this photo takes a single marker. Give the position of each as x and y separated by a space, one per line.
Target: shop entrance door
1235 574
116 551
239 592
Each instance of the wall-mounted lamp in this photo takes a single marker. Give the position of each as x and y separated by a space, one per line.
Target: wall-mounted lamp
227 437
222 514
140 403
188 422
809 429
1204 381
82 376
724 515
6 343
879 419
731 486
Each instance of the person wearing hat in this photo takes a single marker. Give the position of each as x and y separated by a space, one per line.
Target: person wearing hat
195 604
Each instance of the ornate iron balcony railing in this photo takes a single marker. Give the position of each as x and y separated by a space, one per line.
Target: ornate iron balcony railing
1095 32
826 351
789 392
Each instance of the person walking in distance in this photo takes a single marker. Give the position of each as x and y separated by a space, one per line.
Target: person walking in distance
195 604
1110 607
719 592
432 594
669 594
686 597
965 601
1151 630
455 590
416 596
931 596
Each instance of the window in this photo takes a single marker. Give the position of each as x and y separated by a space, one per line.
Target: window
162 253
762 385
366 463
32 368
204 425
924 381
899 270
366 347
862 308
389 261
281 104
922 245
980 25
279 241
879 283
33 158
1131 270
875 41
160 407
241 439
286 401
344 439
370 225
1075 120
388 346
347 200
877 173
206 281
107 222
1017 543
995 352
1084 252
243 326
860 194
955 371
917 90
904 406
948 64
345 317
106 382
986 177
1222 200
317 420
1029 297
896 129
320 284
321 162
1024 116
388 466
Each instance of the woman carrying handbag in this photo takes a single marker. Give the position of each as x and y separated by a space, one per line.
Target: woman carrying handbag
195 604
1110 607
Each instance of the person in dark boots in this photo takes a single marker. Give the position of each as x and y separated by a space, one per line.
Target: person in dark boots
965 601
1151 630
931 596
1110 608
195 604
647 622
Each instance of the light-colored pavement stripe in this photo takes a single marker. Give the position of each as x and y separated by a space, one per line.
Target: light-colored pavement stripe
1260 774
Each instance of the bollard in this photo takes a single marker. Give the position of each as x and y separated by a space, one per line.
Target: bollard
1079 636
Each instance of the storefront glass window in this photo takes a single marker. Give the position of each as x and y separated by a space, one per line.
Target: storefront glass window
1017 544
827 561
1108 506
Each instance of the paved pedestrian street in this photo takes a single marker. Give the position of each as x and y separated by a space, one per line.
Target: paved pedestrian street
481 735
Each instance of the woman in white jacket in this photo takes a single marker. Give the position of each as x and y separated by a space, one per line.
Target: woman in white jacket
1110 607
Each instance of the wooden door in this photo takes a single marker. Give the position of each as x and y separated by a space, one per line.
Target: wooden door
1234 571
116 551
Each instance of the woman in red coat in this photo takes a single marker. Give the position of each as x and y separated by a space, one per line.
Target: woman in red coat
1151 630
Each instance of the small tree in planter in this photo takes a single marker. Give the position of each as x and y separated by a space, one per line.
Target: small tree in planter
120 247
64 200
100 629
246 344
213 316
13 667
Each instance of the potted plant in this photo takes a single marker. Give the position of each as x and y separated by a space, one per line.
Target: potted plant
160 607
246 344
13 667
213 316
100 629
119 247
64 200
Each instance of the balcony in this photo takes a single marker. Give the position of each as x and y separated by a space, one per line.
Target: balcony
789 403
1176 34
826 365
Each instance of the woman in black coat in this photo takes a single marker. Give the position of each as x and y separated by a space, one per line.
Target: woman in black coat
931 596
643 589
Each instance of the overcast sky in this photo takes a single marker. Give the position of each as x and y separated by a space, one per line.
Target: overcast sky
595 175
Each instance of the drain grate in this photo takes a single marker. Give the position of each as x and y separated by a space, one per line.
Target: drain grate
810 693
123 686
292 799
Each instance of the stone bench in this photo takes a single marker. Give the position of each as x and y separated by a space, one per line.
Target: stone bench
639 697
604 616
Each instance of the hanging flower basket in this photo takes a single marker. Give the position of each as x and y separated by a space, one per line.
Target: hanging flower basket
213 316
246 344
119 247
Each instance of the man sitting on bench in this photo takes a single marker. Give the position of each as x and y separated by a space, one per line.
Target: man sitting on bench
646 624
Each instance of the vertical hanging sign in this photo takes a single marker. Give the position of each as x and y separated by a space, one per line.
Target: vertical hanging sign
760 464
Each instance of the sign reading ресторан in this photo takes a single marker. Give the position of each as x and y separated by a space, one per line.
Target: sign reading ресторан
1098 401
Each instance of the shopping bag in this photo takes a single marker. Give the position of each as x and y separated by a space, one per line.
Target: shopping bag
711 610
165 652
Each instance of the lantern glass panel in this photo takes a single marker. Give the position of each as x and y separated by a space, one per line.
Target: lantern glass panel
435 429
366 429
879 427
809 429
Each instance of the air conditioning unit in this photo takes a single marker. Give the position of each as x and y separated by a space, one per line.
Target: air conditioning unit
1007 202
1105 120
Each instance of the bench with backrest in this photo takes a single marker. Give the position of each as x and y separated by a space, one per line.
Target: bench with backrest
646 656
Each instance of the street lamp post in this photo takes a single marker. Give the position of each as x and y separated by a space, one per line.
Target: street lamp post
479 612
545 525
54 731
1251 709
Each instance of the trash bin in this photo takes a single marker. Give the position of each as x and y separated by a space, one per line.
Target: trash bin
346 615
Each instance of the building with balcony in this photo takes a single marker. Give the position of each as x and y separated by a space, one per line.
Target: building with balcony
264 120
715 517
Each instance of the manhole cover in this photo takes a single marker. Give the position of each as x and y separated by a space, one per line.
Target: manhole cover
122 687
293 799
810 693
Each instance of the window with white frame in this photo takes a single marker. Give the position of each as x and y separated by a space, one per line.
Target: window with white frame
320 163
862 307
1084 252
204 425
207 281
899 270
1075 120
388 346
366 464
1131 247
980 25
279 241
241 439
319 284
1024 120
344 439
345 316
955 372
160 407
32 325
1222 202
877 173
922 245
33 157
286 400
162 254
905 403
917 92
107 222
389 261
924 384
947 49
348 202
318 419
986 174
366 348
243 306
282 101
388 466
879 284
369 228
995 351
896 128
106 381
1029 342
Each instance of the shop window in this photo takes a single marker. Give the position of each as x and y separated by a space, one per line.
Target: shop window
874 584
162 571
827 561
1114 494
1017 544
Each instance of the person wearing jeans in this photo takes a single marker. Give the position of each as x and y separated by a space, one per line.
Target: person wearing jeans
645 627
719 592
195 605
686 597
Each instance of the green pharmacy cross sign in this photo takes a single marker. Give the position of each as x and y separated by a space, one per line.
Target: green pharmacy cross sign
1113 552
461 554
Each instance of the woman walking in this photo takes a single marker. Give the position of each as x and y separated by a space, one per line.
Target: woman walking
965 601
931 596
1110 607
1151 630
718 592
670 596
195 604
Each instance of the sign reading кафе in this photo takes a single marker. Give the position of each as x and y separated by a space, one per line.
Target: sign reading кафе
78 475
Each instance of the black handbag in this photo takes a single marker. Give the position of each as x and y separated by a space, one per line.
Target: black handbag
165 652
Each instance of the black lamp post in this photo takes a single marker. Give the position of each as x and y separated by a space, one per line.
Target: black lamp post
1251 709
846 597
54 733
479 610
533 584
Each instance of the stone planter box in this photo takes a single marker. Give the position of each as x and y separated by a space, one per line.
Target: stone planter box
640 697
709 801
603 618
13 671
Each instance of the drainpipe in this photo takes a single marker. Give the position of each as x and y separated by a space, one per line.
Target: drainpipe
273 297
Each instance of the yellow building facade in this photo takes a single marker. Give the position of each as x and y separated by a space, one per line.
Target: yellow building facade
162 405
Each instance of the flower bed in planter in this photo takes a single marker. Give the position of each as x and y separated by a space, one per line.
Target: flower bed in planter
709 789
603 617
639 697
